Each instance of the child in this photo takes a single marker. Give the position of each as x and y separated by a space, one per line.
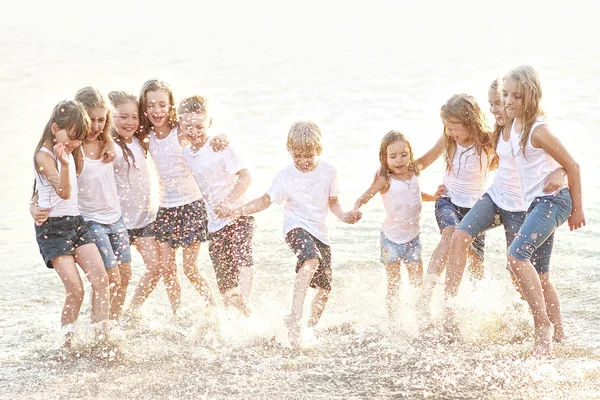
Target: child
538 152
181 220
134 186
398 182
223 181
468 154
501 204
99 200
307 188
64 238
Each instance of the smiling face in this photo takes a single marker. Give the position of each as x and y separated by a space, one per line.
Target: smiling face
513 98
458 132
127 121
66 137
157 108
98 117
305 160
398 158
195 127
496 106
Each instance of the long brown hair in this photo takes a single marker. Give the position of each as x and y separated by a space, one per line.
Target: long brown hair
145 125
118 98
530 87
67 114
384 170
463 109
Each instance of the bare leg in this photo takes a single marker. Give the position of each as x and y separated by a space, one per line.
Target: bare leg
318 306
116 305
114 281
415 273
552 306
234 298
190 268
531 287
303 278
69 275
88 258
393 285
246 281
169 263
476 268
149 249
457 260
437 263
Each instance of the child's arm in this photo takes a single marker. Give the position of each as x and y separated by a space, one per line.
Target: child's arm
433 154
108 152
375 188
241 185
59 181
543 138
39 215
429 197
254 206
349 217
555 181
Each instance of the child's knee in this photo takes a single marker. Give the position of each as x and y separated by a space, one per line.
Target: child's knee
310 265
461 239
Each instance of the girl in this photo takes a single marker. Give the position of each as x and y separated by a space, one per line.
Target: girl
181 220
99 200
501 204
63 238
538 152
398 182
468 152
133 185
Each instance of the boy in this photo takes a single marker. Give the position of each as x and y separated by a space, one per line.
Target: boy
308 188
223 181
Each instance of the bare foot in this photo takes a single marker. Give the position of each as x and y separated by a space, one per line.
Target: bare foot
294 331
451 330
238 301
542 346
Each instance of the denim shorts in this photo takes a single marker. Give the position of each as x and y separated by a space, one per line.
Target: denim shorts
485 214
183 225
60 236
449 214
143 232
230 248
307 247
392 253
545 214
112 241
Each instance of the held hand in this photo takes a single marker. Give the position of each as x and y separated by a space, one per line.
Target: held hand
224 211
39 215
576 220
61 154
108 152
554 183
219 143
352 217
440 192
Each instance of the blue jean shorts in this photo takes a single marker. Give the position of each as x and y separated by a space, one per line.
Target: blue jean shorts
60 236
545 214
486 214
112 241
143 232
449 214
392 253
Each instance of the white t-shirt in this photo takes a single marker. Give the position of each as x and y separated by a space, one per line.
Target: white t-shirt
305 198
134 186
177 186
47 196
466 179
215 173
505 191
402 203
98 198
533 165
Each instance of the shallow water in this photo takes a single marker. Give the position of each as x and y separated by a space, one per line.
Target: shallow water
357 72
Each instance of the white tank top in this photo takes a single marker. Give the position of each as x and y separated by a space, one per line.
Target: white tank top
98 198
505 191
533 165
402 204
177 186
466 179
134 187
47 196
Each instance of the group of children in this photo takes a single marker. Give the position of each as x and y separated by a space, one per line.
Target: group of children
92 199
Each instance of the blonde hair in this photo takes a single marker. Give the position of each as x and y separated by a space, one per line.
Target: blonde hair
67 114
384 170
304 136
118 98
528 84
154 85
193 104
463 109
